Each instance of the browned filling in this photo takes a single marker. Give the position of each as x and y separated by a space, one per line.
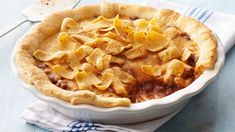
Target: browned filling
147 90
157 88
146 87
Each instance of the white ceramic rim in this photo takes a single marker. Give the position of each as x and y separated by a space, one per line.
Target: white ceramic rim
194 88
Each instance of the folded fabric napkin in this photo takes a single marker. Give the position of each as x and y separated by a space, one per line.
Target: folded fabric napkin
42 115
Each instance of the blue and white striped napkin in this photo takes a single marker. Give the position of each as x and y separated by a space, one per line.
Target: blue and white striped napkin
42 115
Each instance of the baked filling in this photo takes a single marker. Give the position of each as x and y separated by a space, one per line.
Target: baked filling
113 55
122 56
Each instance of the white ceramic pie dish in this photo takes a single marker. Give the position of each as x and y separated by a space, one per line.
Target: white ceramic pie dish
136 112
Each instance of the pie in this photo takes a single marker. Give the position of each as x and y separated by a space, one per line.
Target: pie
113 54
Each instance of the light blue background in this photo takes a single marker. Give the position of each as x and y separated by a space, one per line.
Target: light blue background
213 110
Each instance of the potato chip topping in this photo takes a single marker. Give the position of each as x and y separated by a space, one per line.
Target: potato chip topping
136 58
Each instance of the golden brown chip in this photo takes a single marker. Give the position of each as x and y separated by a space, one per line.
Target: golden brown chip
66 42
186 54
171 32
139 36
101 18
87 49
119 87
103 62
107 29
99 25
67 24
44 56
75 58
93 43
117 60
121 80
86 79
172 52
87 68
110 35
58 69
114 47
97 53
156 41
176 67
82 38
136 52
150 70
141 25
154 26
106 79
123 76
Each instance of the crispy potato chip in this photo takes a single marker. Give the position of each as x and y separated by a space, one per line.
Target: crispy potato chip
73 85
171 32
93 43
121 80
87 68
119 87
153 21
107 29
64 65
141 25
44 56
186 54
86 79
172 52
150 70
125 39
110 35
97 53
135 52
105 23
99 59
117 60
82 38
66 42
103 62
84 86
68 23
117 22
101 18
156 41
75 58
176 67
126 29
61 60
80 53
87 49
123 76
114 47
58 69
139 36
153 26
111 46
123 30
106 79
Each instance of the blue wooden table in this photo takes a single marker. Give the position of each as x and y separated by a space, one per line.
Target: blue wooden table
213 110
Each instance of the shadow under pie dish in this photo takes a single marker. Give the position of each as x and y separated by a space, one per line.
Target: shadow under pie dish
112 55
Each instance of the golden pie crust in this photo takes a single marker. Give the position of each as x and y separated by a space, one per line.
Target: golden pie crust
171 22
